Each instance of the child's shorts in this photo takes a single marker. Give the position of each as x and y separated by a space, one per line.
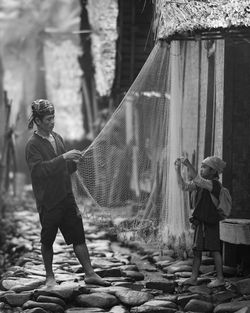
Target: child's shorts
64 217
207 237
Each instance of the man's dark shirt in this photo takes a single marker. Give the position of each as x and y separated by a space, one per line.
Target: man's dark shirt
50 172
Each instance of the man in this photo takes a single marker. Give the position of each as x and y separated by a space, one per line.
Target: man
50 168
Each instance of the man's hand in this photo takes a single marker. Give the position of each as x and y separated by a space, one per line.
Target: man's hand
73 155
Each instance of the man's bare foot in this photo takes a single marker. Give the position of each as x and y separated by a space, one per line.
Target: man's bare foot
50 282
216 283
190 281
95 279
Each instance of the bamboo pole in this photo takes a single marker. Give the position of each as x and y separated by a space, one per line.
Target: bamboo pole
6 142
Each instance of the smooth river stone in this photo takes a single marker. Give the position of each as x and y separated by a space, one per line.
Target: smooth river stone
7 284
118 279
161 303
133 274
52 307
223 296
118 309
62 291
111 289
85 310
151 309
165 263
67 277
35 271
17 299
49 299
100 300
132 297
183 274
243 310
196 305
233 306
35 310
164 285
30 285
104 264
112 272
183 262
183 299
130 285
204 290
243 286
129 267
167 297
157 259
182 268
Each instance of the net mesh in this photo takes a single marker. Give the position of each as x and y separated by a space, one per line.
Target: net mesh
128 170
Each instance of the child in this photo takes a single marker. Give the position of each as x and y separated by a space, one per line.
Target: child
205 218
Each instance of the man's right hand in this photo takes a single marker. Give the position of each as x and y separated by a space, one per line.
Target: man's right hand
73 155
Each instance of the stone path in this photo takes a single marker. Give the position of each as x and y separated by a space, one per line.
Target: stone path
141 279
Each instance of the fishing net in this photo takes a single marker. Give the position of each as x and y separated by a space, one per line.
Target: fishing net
128 171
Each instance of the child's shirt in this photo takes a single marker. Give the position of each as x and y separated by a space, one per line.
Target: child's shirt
204 209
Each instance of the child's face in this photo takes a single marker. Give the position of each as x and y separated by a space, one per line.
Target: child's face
206 171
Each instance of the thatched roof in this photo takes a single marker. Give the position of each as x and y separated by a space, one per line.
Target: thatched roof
175 17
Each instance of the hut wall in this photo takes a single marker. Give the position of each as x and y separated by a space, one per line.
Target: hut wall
236 125
219 97
203 105
194 97
134 44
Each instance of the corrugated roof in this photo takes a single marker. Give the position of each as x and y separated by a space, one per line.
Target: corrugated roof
175 17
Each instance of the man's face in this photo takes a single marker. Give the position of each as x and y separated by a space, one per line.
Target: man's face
46 124
206 171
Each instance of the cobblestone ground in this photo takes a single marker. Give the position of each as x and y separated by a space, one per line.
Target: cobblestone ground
141 279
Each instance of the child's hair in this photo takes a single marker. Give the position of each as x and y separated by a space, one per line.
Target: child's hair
215 163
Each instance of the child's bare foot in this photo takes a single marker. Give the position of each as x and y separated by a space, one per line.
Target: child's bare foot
216 283
190 281
95 279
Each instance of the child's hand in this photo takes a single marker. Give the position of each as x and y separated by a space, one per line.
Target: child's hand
185 161
177 163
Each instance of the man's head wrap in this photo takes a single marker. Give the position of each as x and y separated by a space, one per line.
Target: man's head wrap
40 108
215 163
